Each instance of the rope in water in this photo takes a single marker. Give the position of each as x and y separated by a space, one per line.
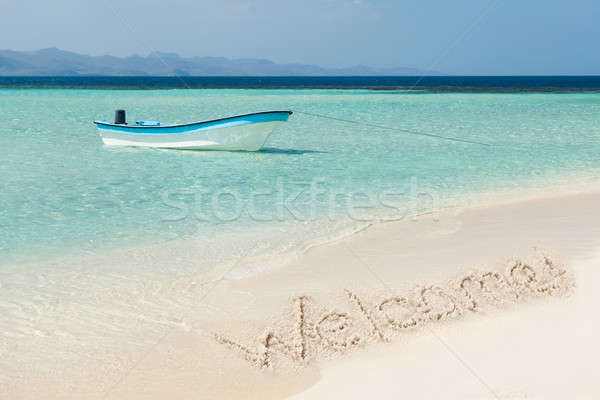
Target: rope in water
453 139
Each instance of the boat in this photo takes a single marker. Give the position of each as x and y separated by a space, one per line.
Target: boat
247 132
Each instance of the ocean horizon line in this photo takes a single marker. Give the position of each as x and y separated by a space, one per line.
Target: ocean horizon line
442 83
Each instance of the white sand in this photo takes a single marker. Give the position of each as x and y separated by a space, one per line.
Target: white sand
163 343
546 350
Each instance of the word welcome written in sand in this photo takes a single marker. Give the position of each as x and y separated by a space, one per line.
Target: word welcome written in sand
314 333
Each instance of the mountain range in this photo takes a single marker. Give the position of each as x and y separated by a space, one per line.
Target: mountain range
56 62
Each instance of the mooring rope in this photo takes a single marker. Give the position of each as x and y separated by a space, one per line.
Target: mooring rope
432 135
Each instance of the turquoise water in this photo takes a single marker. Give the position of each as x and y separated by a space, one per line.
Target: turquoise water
63 192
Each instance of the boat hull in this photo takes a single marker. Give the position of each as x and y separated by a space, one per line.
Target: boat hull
240 133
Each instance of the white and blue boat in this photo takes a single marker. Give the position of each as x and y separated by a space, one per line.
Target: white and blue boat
247 132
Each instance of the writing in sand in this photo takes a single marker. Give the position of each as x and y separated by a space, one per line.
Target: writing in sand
313 332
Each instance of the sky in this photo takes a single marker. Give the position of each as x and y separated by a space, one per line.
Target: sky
500 37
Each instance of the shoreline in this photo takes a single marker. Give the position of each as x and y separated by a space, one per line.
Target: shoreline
161 331
536 191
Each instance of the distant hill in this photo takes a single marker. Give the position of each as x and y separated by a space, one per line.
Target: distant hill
55 62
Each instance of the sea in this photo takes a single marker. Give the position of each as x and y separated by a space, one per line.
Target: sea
357 151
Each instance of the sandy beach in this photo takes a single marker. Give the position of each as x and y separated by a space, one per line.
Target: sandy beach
345 319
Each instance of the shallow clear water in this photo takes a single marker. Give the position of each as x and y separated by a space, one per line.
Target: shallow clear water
63 192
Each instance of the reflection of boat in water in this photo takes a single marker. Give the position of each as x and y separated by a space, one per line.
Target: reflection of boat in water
243 132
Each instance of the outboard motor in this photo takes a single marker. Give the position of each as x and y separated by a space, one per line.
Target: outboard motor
120 117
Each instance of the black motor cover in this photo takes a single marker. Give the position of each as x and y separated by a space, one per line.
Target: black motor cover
120 117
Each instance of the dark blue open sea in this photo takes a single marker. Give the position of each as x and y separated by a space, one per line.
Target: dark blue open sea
437 83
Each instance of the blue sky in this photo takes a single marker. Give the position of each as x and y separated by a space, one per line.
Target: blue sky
461 36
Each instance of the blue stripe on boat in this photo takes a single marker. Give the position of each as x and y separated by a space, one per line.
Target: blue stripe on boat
247 119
